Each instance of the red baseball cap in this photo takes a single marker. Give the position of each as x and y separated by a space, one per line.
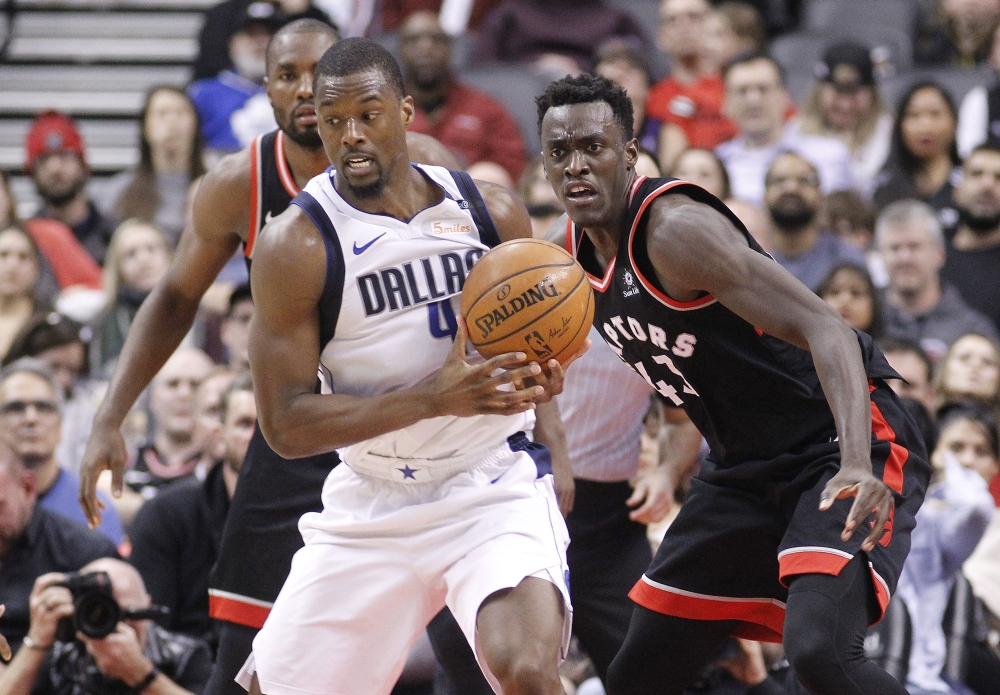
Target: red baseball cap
52 131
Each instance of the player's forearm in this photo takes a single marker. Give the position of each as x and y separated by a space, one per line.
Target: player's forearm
549 431
158 328
840 368
311 424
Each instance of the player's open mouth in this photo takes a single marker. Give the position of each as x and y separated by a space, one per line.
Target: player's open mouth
359 165
580 192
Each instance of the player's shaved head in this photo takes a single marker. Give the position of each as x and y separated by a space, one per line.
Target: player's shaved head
299 26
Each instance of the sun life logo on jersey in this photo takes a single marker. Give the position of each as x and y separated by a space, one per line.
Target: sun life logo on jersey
630 288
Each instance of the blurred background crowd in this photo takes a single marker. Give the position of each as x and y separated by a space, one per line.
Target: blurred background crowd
859 141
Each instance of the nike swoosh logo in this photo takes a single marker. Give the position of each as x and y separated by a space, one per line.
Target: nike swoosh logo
360 250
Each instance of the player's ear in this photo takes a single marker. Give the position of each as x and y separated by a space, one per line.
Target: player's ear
407 110
631 153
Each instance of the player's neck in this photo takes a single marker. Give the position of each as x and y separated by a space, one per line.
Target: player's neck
304 163
405 194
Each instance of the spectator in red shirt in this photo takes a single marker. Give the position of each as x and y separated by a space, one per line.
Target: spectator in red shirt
474 126
689 100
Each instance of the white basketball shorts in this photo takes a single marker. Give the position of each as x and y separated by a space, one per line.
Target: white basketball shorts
383 558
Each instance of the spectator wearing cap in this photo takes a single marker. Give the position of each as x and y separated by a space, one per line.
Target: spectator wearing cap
64 345
757 100
30 421
222 20
230 103
473 125
689 100
57 164
557 36
845 104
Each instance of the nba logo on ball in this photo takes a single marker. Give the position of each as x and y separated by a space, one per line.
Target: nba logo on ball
530 296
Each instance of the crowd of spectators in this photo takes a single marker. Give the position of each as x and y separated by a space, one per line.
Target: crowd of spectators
888 210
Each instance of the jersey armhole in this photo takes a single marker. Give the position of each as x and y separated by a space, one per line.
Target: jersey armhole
477 208
256 199
333 286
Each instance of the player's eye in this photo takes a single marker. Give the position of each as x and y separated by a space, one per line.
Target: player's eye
595 147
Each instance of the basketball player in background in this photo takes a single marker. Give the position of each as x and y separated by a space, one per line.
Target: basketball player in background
792 402
442 497
233 202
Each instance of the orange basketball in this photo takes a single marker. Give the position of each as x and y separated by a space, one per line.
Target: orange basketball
529 296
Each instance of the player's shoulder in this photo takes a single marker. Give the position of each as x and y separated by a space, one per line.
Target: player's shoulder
506 209
231 176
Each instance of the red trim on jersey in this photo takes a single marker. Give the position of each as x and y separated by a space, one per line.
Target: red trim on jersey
763 618
881 592
814 560
255 201
635 187
598 284
284 173
892 474
664 299
236 611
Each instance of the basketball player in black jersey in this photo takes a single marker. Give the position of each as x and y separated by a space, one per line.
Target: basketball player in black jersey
799 522
233 202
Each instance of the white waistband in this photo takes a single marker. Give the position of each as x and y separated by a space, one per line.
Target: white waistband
415 471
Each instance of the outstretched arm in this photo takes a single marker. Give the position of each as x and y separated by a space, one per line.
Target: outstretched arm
693 248
288 275
220 215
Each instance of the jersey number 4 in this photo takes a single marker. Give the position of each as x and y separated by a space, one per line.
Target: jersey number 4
436 311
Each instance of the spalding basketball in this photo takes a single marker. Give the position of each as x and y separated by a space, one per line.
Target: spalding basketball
529 296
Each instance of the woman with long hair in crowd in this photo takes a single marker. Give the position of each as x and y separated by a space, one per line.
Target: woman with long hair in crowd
845 104
20 270
923 157
170 159
138 257
704 168
850 290
956 511
970 370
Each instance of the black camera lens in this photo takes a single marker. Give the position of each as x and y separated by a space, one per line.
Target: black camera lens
96 614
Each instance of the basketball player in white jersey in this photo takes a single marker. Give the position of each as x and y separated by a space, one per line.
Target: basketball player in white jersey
442 498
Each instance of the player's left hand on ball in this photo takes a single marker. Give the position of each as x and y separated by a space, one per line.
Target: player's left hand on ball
871 496
553 375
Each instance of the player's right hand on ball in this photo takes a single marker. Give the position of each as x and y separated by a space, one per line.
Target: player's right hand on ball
105 451
462 389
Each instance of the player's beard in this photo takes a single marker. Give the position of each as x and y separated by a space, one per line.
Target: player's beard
368 191
307 138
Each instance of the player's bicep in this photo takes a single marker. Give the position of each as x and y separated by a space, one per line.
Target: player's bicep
697 247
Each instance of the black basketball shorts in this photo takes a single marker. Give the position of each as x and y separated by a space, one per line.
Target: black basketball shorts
746 530
262 530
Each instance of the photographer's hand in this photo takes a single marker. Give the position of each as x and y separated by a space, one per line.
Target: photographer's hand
119 655
48 604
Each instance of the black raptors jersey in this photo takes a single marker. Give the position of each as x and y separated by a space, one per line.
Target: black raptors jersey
272 185
752 395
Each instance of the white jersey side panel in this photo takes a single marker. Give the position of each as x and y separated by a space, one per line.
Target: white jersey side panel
397 320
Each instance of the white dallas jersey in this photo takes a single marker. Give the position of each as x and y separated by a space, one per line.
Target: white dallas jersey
388 319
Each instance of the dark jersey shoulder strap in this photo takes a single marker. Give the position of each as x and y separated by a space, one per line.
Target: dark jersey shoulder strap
333 287
477 207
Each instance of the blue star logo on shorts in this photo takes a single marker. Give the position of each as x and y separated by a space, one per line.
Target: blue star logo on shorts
408 472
